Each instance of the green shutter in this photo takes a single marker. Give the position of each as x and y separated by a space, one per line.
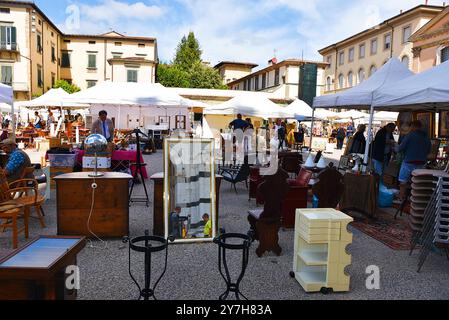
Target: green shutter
308 83
3 36
13 38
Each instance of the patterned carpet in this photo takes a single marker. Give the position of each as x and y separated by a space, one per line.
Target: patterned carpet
395 234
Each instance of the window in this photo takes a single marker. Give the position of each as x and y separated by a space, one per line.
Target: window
341 81
117 55
374 46
39 43
372 70
67 41
264 81
351 55
65 60
276 77
329 60
132 75
6 76
362 51
361 75
40 81
256 83
341 58
92 42
328 84
445 55
92 61
387 41
406 33
406 61
91 83
53 79
8 38
180 122
53 54
350 79
5 10
118 44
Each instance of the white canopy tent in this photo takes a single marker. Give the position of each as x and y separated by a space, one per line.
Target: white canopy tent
426 90
52 98
351 114
362 95
301 111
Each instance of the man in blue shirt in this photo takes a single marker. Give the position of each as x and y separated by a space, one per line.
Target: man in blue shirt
239 123
416 147
18 160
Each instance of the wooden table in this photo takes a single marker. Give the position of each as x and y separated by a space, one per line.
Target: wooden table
158 203
38 270
110 217
360 194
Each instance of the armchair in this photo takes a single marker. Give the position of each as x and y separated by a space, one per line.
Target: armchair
236 175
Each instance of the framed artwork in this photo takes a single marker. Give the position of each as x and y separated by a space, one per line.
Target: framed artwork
443 126
189 190
180 122
426 119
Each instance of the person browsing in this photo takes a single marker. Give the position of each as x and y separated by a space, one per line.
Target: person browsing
104 126
239 123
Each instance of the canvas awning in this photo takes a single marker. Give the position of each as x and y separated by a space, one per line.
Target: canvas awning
52 98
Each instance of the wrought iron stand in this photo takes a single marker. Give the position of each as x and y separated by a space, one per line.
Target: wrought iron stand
223 245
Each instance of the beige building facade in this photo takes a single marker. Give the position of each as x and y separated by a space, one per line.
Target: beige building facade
281 79
431 43
354 59
34 54
231 71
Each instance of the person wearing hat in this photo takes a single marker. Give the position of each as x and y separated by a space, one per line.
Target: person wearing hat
18 160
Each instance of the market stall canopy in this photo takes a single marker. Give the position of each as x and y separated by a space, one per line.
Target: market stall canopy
52 98
361 96
351 114
248 106
429 88
128 93
300 110
6 94
324 114
385 116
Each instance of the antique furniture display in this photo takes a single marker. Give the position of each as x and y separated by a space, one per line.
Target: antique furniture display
320 257
189 189
235 175
360 193
329 187
255 179
107 196
232 242
265 223
9 217
37 271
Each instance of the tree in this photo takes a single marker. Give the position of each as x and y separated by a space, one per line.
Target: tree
187 69
69 88
188 52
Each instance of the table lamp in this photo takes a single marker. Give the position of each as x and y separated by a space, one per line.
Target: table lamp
96 143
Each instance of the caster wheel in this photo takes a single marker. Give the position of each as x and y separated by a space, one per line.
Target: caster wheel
292 274
326 291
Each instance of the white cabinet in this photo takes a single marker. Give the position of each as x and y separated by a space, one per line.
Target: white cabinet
320 259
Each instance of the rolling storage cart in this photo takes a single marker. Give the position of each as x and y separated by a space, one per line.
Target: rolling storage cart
320 256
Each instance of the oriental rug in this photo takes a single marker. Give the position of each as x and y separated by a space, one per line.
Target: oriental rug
396 234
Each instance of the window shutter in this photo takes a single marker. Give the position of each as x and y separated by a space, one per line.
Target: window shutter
3 36
445 55
13 38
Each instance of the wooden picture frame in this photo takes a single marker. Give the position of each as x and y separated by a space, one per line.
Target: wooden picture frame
428 122
443 124
189 183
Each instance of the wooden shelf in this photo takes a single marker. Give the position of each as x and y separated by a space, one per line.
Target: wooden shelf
313 258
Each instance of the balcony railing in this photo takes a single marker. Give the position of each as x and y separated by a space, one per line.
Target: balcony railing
13 47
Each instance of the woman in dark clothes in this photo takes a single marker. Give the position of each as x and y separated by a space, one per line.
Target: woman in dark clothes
359 141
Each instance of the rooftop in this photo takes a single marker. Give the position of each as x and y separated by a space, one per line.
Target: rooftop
235 63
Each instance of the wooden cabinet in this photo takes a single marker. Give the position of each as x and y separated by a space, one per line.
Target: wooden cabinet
158 203
110 215
38 270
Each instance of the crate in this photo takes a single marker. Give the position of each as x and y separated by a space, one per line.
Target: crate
62 160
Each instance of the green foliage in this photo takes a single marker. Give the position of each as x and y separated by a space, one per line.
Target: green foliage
187 69
69 88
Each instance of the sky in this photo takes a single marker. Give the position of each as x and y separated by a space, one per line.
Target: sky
229 30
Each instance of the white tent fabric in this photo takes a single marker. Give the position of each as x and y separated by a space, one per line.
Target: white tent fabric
126 93
361 96
52 98
248 106
300 110
386 116
354 114
6 94
325 114
428 87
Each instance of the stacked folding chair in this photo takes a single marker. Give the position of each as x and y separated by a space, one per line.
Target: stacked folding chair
424 183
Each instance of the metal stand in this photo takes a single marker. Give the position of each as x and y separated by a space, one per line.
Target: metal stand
138 172
221 241
148 249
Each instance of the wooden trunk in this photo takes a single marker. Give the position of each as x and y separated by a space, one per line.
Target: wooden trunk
110 216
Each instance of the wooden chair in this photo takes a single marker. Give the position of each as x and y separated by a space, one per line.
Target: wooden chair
9 216
329 188
265 223
236 175
24 192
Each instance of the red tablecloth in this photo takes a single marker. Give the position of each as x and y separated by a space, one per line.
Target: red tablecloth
119 155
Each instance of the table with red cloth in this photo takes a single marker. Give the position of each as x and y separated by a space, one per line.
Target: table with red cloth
120 156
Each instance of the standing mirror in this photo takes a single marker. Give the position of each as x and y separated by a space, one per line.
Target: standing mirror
189 190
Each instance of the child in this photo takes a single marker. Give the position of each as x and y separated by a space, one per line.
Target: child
208 226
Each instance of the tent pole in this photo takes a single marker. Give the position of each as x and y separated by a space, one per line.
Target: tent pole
311 130
13 120
368 141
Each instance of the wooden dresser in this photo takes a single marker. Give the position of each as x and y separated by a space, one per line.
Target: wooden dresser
110 216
